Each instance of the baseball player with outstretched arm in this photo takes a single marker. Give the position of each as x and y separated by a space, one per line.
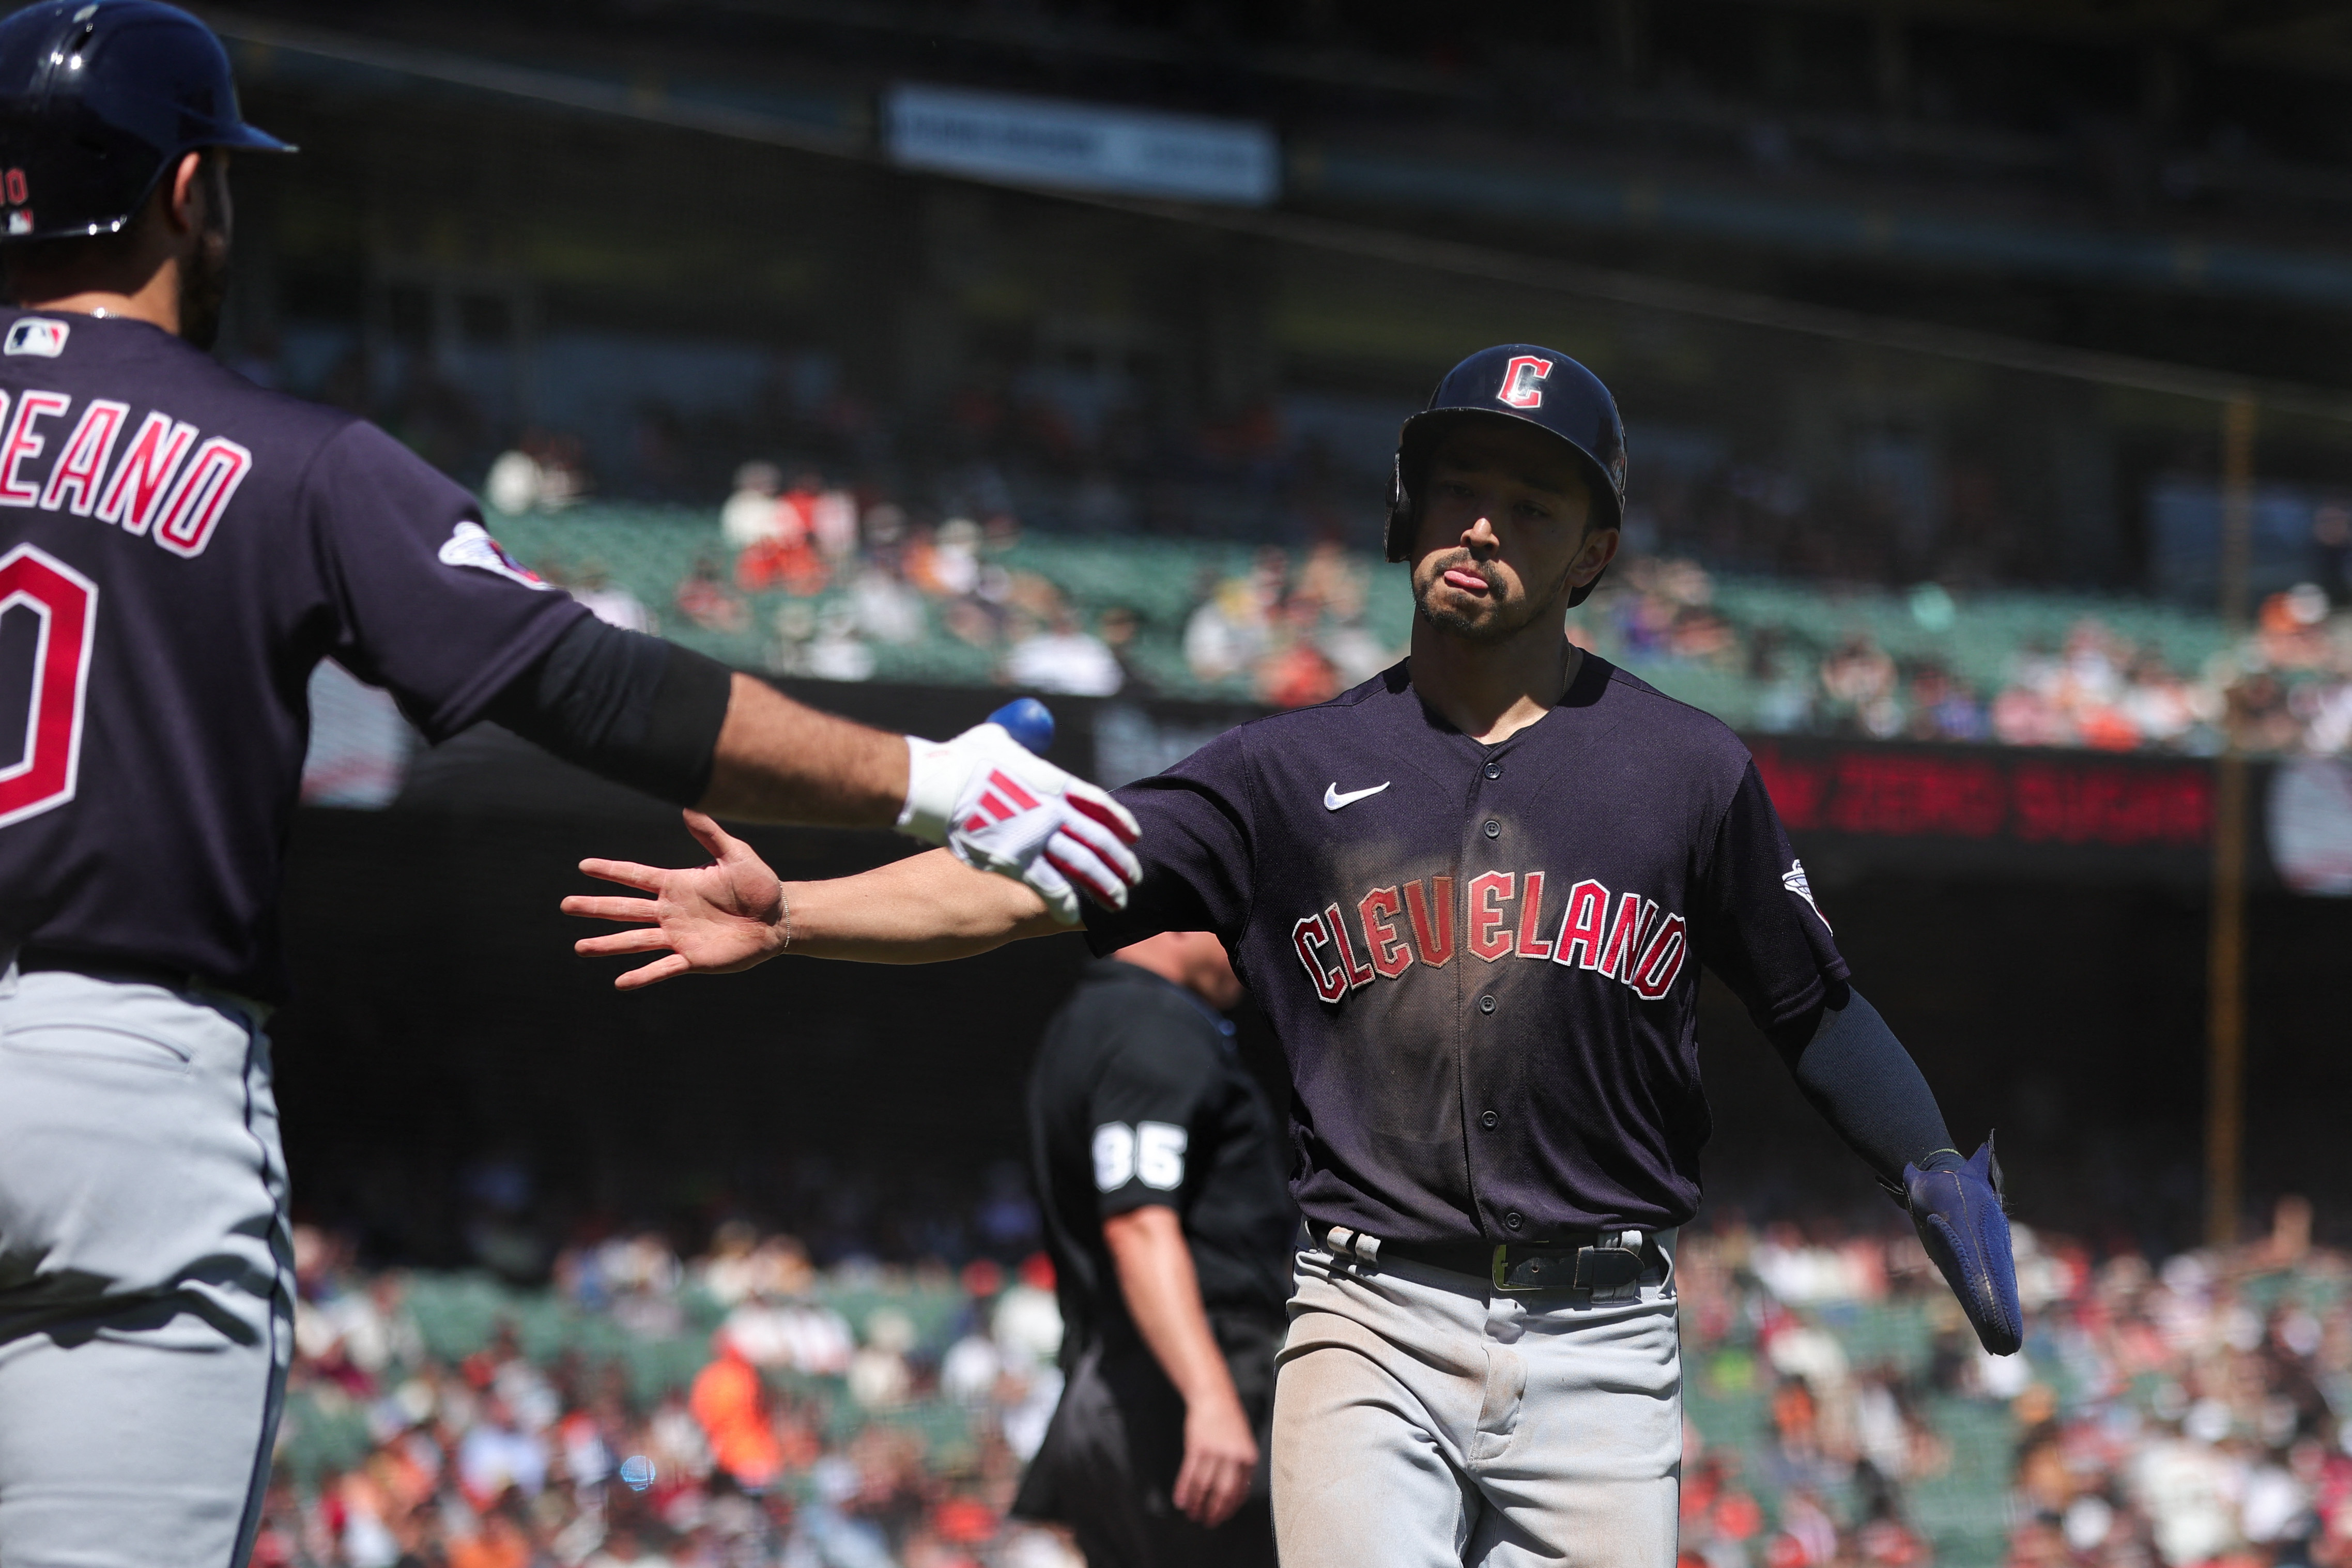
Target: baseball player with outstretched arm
178 550
1474 896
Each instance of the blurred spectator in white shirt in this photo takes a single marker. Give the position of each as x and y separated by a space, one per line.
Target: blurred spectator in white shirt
951 566
612 604
1065 661
497 1453
832 523
513 482
888 610
750 515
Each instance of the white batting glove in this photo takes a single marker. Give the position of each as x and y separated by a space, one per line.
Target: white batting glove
1000 809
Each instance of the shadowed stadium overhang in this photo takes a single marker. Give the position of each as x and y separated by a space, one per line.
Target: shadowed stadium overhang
1364 175
842 125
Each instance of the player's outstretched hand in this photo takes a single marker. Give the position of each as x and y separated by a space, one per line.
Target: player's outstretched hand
1220 1458
712 920
1000 809
1957 1210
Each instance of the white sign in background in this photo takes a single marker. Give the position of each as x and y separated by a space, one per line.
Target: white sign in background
1083 147
2311 825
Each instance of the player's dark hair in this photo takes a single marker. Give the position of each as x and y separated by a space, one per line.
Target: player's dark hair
103 259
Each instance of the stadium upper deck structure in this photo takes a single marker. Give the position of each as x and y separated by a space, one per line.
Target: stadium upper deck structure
1961 269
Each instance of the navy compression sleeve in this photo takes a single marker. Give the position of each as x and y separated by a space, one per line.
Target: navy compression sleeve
636 710
1856 1072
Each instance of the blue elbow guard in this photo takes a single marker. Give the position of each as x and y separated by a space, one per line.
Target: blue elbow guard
1958 1213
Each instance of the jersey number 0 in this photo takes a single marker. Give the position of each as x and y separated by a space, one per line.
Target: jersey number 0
65 603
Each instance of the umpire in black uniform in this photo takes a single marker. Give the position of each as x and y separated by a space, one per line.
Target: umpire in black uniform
1161 1177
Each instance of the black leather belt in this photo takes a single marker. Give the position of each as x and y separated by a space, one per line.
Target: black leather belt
34 958
1604 1264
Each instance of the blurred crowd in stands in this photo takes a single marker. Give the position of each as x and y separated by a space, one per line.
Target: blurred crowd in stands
748 1407
2179 1414
445 1424
2286 687
816 580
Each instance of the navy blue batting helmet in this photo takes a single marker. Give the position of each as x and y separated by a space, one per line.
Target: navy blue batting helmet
1529 385
98 98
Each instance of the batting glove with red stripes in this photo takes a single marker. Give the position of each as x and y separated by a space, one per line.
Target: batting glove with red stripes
1000 809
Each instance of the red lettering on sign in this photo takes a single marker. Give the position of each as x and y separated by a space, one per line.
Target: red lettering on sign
2059 802
1906 793
1797 787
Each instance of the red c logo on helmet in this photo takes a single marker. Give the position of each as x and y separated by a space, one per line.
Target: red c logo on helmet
1519 378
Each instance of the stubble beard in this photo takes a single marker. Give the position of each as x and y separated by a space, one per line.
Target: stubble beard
1502 620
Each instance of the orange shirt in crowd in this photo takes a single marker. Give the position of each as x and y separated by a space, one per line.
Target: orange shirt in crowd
499 1544
728 1402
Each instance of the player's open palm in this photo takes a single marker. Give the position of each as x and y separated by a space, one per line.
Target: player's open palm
712 919
1220 1458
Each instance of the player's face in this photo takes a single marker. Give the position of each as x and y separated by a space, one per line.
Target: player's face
1502 538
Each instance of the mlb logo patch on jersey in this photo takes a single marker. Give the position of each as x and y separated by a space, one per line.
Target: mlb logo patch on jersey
471 545
38 336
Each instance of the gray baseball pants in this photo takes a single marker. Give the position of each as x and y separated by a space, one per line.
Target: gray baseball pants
1422 1419
146 1276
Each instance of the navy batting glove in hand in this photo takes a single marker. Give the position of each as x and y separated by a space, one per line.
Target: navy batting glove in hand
1957 1210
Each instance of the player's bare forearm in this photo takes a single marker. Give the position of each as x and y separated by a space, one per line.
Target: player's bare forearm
778 761
1163 1295
923 910
1162 1292
733 914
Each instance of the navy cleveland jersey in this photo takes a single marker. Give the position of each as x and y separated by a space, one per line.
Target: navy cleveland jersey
178 549
1483 961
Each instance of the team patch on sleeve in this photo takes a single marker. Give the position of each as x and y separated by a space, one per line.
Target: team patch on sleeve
1797 882
470 544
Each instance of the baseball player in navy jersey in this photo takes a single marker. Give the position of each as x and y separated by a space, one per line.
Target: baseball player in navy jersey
178 550
1474 896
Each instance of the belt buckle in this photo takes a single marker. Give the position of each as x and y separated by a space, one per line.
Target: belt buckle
1526 1275
1606 1274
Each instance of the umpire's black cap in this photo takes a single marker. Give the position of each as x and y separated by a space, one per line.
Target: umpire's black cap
99 98
1529 384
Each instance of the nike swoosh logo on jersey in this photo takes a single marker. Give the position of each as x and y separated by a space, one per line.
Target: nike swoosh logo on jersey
1333 800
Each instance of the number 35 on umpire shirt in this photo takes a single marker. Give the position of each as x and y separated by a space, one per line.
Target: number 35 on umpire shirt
1483 961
